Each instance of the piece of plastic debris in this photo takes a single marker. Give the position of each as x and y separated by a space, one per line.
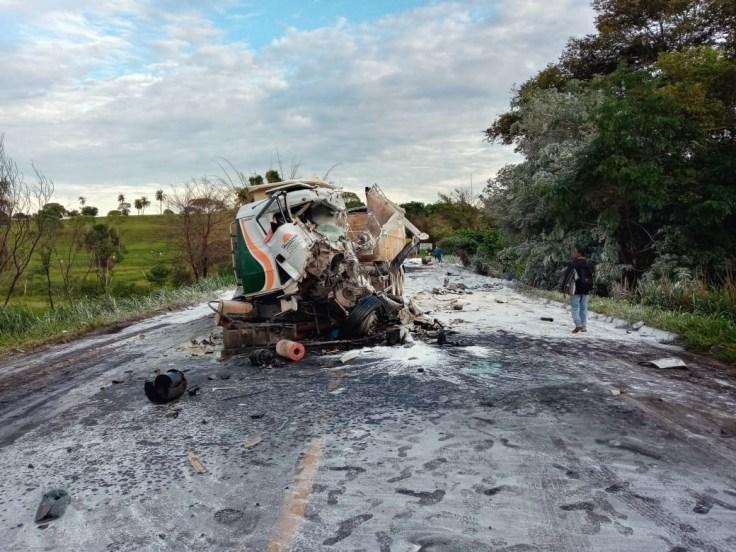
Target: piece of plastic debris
195 462
547 319
501 301
293 350
420 370
667 362
223 388
193 391
261 357
616 392
636 326
250 442
53 505
166 387
350 355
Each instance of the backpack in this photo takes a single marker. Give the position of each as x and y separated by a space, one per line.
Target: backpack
584 279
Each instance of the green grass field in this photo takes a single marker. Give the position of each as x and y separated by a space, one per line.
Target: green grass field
148 239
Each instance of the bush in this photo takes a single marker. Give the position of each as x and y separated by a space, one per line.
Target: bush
114 213
158 274
468 244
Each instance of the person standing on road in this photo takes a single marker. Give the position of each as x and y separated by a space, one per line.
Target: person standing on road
578 283
437 254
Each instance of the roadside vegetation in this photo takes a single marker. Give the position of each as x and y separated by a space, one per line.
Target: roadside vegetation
628 150
25 327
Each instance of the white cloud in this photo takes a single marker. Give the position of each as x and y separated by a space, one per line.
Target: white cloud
135 98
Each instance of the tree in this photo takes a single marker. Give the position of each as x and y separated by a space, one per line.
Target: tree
255 180
145 203
45 252
106 248
124 208
82 201
273 176
67 253
138 204
352 200
20 236
160 196
202 225
121 198
89 211
53 210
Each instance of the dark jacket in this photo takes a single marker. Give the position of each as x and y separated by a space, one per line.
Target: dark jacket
585 276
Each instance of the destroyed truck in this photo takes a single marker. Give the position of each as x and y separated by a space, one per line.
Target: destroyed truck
307 267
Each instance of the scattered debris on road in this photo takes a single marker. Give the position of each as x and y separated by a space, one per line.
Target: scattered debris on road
261 357
166 387
251 442
547 319
293 350
662 363
53 505
195 462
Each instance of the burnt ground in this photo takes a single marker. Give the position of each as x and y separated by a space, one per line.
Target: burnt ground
504 440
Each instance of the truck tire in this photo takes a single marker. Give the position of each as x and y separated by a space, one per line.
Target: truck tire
363 318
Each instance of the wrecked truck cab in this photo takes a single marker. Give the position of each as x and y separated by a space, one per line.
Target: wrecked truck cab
306 267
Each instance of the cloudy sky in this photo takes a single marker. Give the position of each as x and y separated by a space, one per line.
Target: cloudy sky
128 96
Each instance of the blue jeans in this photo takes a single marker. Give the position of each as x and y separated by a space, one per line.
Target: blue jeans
579 305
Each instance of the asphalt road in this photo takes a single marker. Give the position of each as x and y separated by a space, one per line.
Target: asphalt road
513 437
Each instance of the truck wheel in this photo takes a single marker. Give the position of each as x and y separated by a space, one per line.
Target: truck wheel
363 319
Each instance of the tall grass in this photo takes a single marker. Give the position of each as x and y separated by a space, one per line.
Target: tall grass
21 326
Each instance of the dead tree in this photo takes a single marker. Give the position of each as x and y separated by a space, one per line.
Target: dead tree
204 215
20 231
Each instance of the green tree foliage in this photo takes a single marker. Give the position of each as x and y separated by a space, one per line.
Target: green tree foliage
89 211
158 274
106 249
628 145
273 176
255 180
453 211
53 210
160 197
352 200
479 247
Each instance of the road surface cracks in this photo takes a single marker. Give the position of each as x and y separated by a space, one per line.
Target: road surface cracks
508 439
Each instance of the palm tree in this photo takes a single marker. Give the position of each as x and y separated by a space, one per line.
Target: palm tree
121 198
144 203
82 201
160 198
138 204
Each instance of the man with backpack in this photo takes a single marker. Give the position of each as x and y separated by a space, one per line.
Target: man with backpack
578 283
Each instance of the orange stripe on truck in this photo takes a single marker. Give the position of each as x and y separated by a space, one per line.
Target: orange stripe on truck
261 256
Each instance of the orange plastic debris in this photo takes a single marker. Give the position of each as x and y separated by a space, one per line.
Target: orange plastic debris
292 350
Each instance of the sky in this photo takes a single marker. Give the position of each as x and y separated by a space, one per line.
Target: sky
131 96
